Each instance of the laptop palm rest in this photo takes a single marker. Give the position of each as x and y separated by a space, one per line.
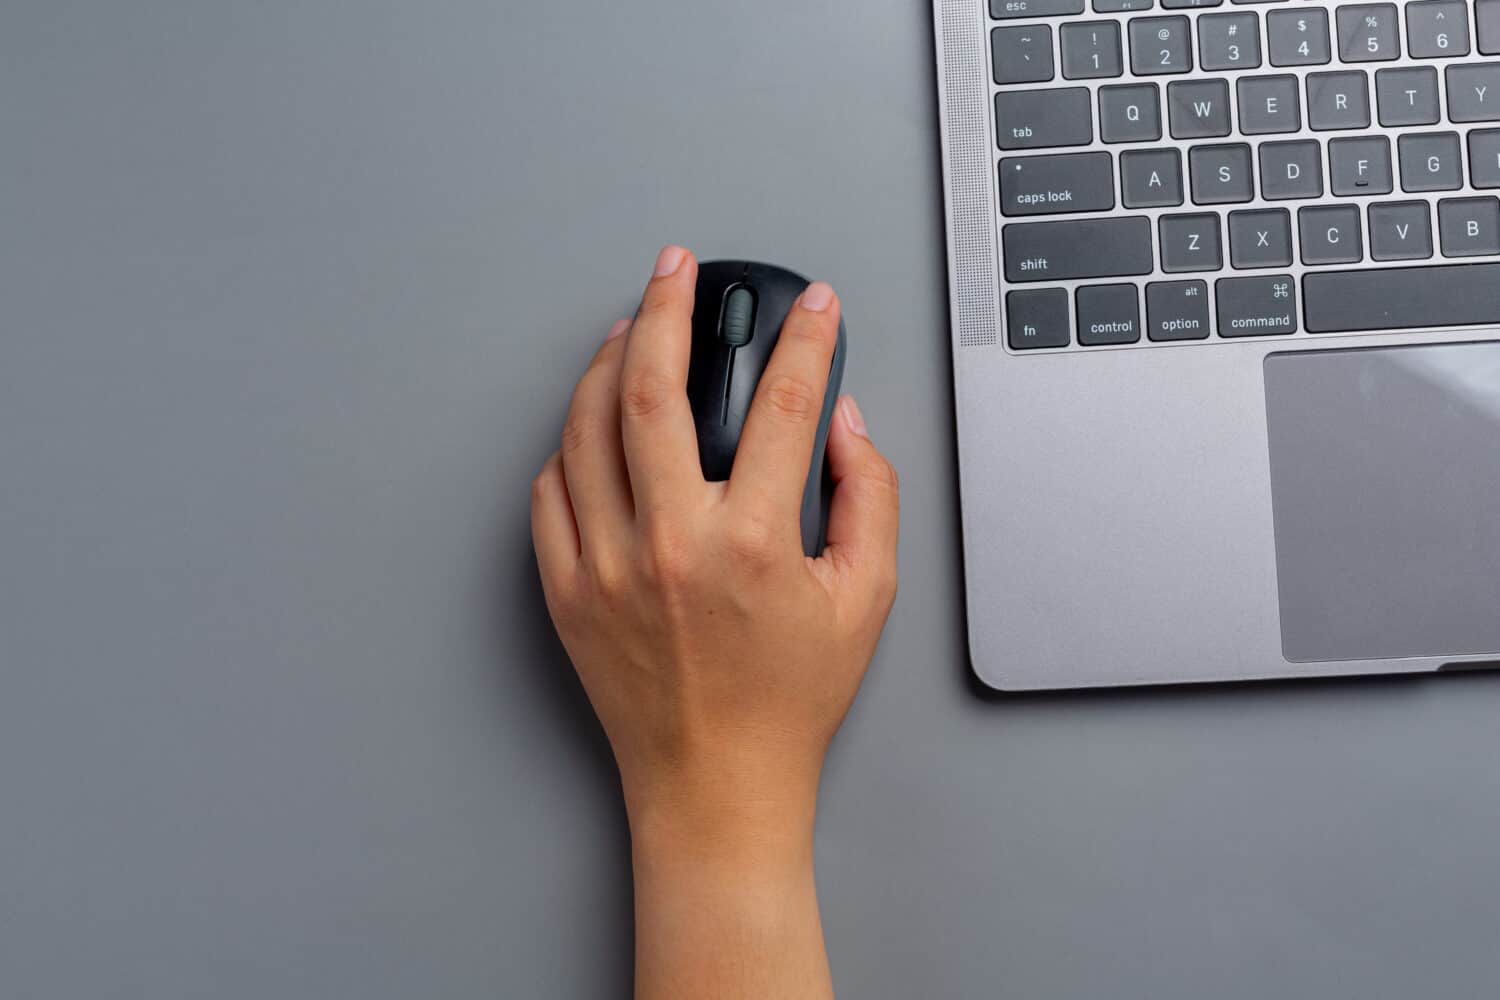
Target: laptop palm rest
1385 472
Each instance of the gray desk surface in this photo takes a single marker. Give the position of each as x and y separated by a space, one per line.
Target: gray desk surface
293 294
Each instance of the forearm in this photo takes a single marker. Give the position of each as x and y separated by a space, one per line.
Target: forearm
727 909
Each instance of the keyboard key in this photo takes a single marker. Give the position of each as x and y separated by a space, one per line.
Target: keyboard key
1198 109
1291 170
1360 165
1130 113
1298 37
1003 9
1487 21
1437 29
1175 4
1160 45
1407 96
1108 314
1269 104
1091 50
1400 230
1220 174
1049 185
1031 119
1190 243
1117 6
1151 178
1484 158
1022 54
1229 41
1257 307
1085 248
1469 227
1403 298
1329 234
1367 32
1260 238
1431 161
1338 100
1474 93
1037 318
1177 310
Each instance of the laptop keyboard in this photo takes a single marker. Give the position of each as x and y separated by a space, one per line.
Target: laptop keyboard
1173 171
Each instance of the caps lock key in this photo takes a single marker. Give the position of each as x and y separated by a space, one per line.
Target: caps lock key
1050 185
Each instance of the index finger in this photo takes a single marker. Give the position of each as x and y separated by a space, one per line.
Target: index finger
661 443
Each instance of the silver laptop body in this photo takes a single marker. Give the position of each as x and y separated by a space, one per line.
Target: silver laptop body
1247 428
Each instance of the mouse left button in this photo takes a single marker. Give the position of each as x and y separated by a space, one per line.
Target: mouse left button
737 321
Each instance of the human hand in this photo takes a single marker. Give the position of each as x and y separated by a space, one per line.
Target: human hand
719 658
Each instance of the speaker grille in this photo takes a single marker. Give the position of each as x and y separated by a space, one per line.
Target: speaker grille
965 115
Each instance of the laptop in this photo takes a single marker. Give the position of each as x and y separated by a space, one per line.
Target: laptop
1225 297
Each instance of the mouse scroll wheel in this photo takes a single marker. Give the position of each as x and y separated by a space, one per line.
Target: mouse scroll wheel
737 322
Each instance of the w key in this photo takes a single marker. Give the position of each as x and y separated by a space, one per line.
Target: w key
1049 185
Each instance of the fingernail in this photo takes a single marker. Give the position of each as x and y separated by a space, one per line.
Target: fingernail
817 296
621 325
669 260
853 417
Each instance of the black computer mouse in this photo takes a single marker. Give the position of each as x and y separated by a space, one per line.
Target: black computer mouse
736 322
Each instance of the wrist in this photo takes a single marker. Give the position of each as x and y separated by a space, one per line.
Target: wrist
724 820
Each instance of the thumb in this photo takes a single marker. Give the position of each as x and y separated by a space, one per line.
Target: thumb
865 516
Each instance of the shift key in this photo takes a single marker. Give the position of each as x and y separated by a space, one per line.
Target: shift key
1087 248
1051 185
1039 119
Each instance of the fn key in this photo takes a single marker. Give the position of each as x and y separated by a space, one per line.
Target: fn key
1037 318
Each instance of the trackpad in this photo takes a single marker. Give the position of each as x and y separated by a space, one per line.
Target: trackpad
1385 468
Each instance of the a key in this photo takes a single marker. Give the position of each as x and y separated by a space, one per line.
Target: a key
1037 318
1487 24
1160 45
1329 234
1130 113
1001 10
1229 41
1338 100
1268 104
1484 158
1474 93
1431 161
1367 32
1257 307
1402 298
1400 230
1360 165
1437 29
1190 243
1407 96
1220 174
1298 37
1469 227
1022 54
1260 238
1031 119
1091 50
1177 310
1108 314
1117 6
1291 170
1178 4
1050 185
1198 109
1151 178
1085 248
